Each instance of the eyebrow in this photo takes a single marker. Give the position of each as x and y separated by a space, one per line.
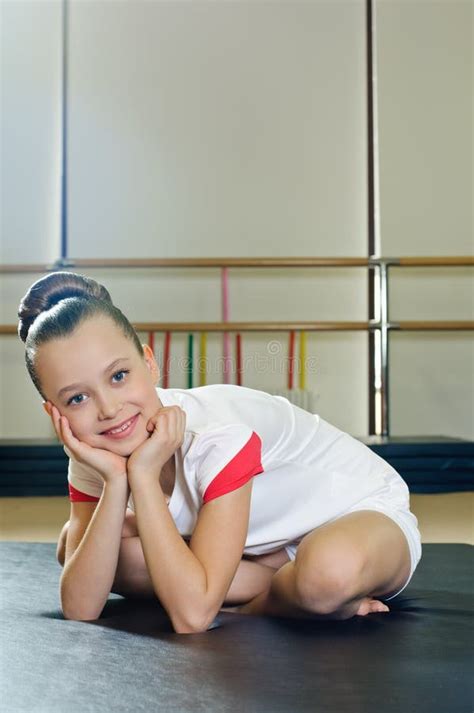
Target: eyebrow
73 387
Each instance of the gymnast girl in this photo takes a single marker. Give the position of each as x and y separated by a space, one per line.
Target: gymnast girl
209 498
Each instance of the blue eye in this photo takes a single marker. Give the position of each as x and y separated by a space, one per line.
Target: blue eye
72 401
78 399
122 371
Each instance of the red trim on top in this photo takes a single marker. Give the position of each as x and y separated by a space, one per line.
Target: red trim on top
238 471
76 496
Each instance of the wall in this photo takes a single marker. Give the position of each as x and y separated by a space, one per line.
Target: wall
425 66
239 129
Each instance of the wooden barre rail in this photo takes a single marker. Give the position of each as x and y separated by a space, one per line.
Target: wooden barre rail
382 326
286 326
448 261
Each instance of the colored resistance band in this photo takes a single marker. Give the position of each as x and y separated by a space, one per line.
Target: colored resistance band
238 344
166 360
190 361
302 360
151 341
203 359
225 318
291 359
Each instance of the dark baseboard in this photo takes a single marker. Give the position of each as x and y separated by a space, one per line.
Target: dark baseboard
433 464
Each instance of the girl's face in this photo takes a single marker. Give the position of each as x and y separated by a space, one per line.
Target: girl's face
98 380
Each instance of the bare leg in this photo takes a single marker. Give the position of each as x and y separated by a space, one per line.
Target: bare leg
282 599
339 568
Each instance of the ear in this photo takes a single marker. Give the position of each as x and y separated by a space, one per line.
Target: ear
47 407
151 363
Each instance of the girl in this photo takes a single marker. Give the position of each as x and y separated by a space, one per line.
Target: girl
208 496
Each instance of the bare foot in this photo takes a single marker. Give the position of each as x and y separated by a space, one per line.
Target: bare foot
370 606
366 606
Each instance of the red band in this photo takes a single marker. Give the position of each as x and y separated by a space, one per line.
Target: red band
238 471
75 496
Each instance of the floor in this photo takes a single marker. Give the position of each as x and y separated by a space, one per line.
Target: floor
447 517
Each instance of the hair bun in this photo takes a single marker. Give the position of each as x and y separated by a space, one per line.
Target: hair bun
49 290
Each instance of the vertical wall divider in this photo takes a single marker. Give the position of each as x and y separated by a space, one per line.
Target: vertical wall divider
378 385
64 132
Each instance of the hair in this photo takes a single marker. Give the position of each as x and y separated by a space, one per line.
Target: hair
59 303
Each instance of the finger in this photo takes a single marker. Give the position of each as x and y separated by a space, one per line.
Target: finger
163 426
63 429
152 421
68 436
168 422
64 432
55 415
162 415
183 427
180 425
150 427
151 424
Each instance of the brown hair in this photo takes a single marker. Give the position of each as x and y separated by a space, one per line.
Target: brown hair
56 305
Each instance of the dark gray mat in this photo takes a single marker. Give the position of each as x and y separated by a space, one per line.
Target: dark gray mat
418 657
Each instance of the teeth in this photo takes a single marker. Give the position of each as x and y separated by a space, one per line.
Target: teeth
122 428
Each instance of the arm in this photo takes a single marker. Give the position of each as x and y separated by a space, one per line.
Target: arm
92 556
81 513
191 583
93 542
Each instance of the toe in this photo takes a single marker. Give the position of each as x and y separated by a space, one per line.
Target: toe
371 606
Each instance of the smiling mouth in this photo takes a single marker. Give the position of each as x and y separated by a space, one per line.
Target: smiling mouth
122 428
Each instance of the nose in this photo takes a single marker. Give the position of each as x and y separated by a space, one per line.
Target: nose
108 406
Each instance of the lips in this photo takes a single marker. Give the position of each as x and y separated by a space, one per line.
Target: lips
123 429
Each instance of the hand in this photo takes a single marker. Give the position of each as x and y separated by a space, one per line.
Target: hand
166 429
108 465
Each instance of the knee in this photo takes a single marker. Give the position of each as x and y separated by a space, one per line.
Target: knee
326 582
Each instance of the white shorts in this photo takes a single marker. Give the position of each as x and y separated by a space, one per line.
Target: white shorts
393 501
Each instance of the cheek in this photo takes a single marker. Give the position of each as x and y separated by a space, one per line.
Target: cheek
80 425
148 399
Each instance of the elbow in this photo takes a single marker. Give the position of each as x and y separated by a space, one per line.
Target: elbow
192 624
185 626
181 628
77 605
79 614
79 609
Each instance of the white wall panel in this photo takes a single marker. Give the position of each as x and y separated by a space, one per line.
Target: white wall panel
217 128
30 75
425 87
432 394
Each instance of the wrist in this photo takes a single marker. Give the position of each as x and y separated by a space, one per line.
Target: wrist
117 477
141 475
119 483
